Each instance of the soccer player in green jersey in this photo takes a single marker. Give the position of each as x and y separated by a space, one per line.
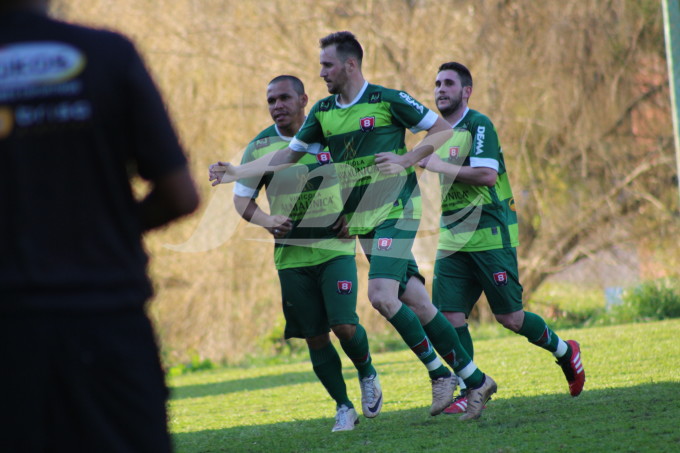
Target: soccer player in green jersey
317 271
363 125
478 234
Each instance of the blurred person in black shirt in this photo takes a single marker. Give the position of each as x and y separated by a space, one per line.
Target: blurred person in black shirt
79 116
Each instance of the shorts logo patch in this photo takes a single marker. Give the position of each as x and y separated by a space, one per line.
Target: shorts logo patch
500 278
384 243
367 123
323 158
344 287
454 151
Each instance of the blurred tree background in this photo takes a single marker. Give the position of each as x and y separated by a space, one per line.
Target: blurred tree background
578 90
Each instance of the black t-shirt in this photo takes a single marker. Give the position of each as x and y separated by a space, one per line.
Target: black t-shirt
79 115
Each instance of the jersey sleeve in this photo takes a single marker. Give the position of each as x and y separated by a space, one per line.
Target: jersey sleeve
485 146
410 113
310 132
157 150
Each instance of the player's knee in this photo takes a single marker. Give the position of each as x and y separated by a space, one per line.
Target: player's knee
318 342
510 321
344 332
379 300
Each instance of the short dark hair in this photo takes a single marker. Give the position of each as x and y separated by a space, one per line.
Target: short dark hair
346 45
298 86
461 70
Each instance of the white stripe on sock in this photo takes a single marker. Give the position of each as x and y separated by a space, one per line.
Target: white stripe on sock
467 371
434 364
561 349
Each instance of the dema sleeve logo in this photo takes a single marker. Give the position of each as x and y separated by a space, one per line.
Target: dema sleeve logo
344 287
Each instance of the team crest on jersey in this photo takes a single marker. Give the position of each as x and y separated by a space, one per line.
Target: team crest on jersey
367 123
323 158
454 151
324 106
344 287
384 243
511 204
500 278
261 143
375 98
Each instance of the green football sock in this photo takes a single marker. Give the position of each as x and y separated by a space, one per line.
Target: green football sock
446 342
466 340
408 326
328 368
537 332
357 350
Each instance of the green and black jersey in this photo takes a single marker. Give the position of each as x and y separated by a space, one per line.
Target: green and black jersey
308 193
476 218
374 122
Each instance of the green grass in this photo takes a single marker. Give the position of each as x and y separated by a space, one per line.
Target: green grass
630 403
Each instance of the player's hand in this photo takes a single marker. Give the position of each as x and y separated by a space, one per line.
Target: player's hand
341 228
222 173
279 226
390 163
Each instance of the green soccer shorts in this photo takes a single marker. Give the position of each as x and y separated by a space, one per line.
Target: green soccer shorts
317 297
388 250
460 278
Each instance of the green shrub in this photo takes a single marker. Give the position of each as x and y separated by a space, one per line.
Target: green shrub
196 364
651 300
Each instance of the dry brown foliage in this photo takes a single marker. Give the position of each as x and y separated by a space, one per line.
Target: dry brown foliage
577 90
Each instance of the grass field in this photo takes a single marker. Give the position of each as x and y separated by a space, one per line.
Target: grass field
631 402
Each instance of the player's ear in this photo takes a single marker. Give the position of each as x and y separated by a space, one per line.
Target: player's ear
467 92
352 64
303 100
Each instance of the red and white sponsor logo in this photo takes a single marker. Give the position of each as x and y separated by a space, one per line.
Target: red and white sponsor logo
454 151
367 123
500 278
323 158
384 243
344 287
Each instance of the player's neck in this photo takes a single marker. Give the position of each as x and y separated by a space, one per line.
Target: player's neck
293 128
351 89
455 116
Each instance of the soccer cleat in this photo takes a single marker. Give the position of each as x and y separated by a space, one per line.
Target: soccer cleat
573 369
459 405
371 396
442 393
345 419
478 397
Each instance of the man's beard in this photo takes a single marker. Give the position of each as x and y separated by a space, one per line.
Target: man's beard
453 106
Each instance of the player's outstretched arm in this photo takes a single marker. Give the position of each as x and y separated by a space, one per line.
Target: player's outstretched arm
277 225
476 176
437 135
225 172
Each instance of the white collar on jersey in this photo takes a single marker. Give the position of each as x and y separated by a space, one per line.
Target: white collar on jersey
355 100
467 109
